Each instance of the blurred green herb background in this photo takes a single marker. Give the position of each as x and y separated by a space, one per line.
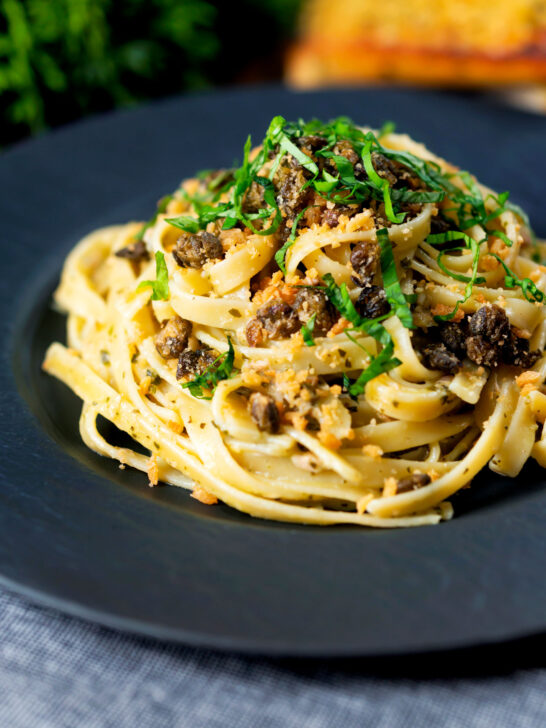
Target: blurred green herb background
63 59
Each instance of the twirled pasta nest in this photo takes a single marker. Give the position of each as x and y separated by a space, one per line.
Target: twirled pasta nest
344 329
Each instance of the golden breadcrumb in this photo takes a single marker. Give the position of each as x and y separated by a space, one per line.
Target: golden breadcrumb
528 381
372 451
203 496
390 487
153 471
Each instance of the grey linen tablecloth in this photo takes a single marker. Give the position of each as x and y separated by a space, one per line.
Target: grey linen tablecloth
60 672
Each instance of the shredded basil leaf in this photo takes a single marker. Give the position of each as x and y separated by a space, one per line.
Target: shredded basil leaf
186 223
389 127
384 361
221 368
471 280
306 162
381 184
347 187
428 172
161 207
269 197
339 296
347 384
277 135
449 237
529 289
391 283
505 239
307 330
160 287
280 255
417 196
327 184
379 364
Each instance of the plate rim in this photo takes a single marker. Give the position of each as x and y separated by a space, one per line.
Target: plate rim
151 630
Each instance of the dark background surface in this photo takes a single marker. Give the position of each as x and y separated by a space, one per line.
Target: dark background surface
78 533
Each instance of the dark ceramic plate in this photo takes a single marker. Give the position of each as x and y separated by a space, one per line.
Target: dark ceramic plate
79 534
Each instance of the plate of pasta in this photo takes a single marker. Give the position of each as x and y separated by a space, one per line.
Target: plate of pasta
343 328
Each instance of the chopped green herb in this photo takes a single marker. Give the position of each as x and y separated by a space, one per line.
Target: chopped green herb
506 240
380 183
307 330
389 127
471 280
161 207
384 361
347 383
280 140
223 180
417 196
277 135
160 287
186 223
346 187
272 209
391 283
428 172
327 184
203 386
280 255
339 296
306 162
528 288
449 237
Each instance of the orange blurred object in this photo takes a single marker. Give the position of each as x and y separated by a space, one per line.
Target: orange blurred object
440 42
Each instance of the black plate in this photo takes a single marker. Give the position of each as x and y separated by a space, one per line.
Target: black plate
79 534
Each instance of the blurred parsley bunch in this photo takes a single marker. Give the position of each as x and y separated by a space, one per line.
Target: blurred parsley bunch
61 59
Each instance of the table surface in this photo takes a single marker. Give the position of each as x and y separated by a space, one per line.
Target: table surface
60 672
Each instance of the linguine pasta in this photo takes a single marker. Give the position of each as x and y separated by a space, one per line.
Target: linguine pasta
345 329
